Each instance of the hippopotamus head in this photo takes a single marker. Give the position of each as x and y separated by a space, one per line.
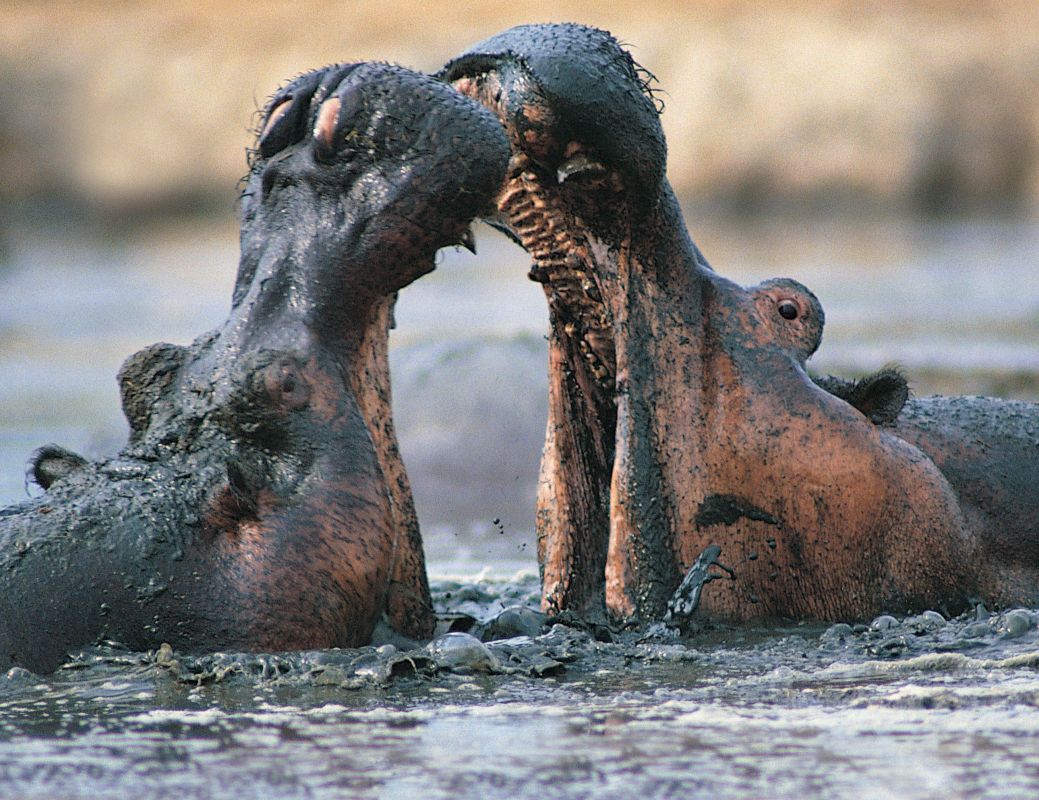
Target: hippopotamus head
796 318
681 417
260 502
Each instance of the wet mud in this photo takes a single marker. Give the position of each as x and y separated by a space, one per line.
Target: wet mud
506 702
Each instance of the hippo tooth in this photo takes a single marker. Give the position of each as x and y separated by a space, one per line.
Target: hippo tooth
468 241
580 163
511 195
525 216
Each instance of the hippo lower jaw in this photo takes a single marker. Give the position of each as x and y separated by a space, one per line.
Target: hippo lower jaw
261 502
677 421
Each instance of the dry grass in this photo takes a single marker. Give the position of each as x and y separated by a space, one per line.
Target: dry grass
126 105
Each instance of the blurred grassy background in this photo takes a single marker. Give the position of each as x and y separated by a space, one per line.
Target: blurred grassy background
121 109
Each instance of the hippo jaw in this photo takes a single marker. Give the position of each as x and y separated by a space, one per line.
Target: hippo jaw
567 202
677 420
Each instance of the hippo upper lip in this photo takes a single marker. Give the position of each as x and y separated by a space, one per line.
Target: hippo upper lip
603 96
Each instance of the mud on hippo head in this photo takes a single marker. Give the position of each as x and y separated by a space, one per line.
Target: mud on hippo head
261 502
680 413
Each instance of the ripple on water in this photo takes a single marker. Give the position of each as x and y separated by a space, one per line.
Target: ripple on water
776 712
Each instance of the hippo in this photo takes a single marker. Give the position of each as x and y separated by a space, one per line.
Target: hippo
797 320
880 396
682 425
260 502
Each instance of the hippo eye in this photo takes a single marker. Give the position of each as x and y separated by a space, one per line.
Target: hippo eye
788 310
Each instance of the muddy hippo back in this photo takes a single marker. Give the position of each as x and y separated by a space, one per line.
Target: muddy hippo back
988 450
88 558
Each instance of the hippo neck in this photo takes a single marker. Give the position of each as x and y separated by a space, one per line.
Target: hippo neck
300 284
284 306
659 304
357 341
664 290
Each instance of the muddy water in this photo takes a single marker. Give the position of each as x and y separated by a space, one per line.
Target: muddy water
914 709
918 707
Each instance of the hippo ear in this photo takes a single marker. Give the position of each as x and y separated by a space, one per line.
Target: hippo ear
52 463
144 378
880 396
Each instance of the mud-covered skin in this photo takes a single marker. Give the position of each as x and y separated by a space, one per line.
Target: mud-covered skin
678 419
988 450
261 503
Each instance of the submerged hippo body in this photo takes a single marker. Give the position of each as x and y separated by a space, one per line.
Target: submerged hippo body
261 502
681 416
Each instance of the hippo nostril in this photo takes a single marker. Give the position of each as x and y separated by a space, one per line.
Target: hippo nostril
325 127
788 310
275 116
283 126
278 131
285 116
337 114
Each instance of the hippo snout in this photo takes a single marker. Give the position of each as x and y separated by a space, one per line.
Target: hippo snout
579 82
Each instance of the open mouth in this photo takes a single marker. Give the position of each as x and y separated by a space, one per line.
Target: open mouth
570 101
568 201
647 345
535 210
681 421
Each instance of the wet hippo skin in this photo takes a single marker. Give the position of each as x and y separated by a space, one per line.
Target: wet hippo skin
796 319
680 413
261 502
